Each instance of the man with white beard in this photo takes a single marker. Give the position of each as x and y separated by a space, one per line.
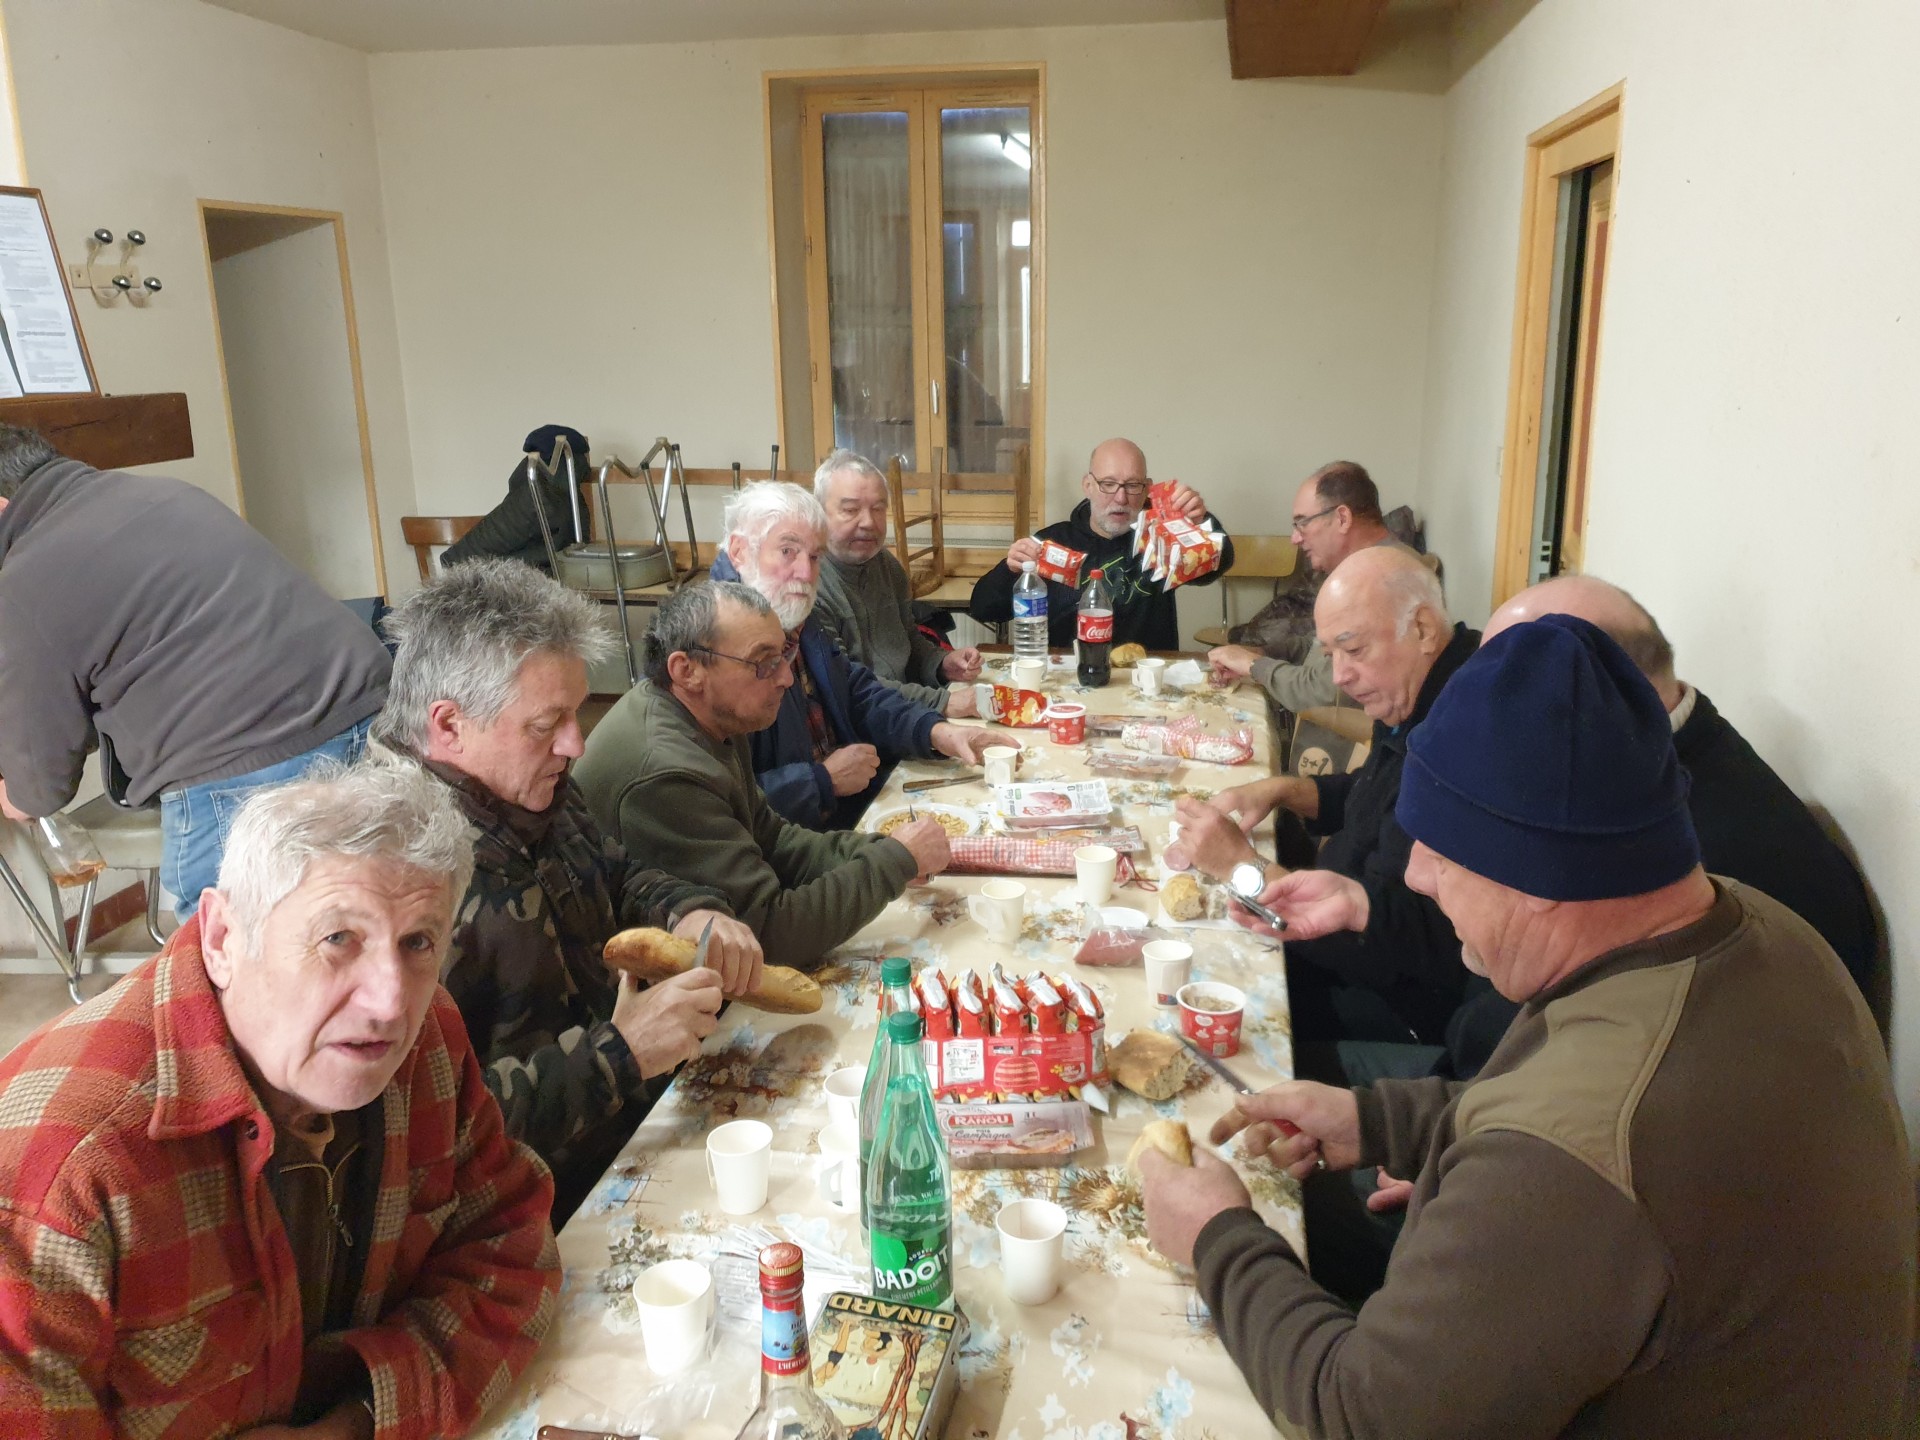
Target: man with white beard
822 760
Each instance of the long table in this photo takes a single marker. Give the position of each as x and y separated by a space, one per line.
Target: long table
1125 1351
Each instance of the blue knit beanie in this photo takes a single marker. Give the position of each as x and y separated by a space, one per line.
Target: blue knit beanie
1547 765
541 442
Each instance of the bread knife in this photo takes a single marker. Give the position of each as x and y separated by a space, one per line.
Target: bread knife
1218 1066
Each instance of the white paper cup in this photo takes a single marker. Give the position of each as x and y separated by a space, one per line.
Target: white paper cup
1169 963
1000 762
1149 674
675 1301
999 907
1093 869
1032 1236
842 1090
739 1159
1030 673
839 1172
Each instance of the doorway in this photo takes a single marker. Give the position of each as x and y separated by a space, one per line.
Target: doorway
290 366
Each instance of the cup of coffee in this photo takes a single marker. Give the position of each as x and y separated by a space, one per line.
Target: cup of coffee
1168 963
1210 1016
739 1162
843 1089
1030 672
1093 869
839 1174
675 1301
1001 761
999 907
1149 675
1032 1237
1067 723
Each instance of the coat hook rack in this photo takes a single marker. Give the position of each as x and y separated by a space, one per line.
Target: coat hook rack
109 282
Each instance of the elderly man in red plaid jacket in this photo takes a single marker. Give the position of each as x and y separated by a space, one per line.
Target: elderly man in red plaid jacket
260 1188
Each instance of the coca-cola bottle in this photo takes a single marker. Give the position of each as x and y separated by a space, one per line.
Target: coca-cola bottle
1096 630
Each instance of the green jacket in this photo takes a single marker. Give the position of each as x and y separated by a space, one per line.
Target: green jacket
689 804
525 968
868 608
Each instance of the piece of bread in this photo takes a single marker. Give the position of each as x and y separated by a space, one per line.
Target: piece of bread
655 955
1183 899
1169 1137
1128 654
1151 1065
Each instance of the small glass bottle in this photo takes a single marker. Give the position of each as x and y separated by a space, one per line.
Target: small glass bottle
789 1409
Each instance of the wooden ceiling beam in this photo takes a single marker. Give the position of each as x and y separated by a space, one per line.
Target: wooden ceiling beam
1270 39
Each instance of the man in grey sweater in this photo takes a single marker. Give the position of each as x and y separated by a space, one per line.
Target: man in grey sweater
1677 1201
865 602
141 610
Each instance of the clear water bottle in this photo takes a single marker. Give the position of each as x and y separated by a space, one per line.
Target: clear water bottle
909 1192
1095 631
1029 614
790 1409
896 976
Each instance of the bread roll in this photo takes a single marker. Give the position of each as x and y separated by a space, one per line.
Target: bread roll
1151 1065
1128 654
1169 1137
1183 899
655 955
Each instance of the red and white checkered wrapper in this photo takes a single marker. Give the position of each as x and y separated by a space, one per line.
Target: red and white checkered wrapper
1033 855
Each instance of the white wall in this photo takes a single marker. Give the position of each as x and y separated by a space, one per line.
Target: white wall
1238 272
283 328
132 111
1754 447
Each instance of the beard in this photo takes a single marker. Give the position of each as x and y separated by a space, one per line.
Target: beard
792 601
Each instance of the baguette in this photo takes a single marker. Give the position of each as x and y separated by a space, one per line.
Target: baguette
1169 1137
1152 1065
654 955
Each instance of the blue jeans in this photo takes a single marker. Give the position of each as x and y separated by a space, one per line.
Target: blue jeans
195 820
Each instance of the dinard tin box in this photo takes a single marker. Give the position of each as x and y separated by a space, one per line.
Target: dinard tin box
889 1371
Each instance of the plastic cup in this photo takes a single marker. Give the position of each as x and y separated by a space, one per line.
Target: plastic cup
1000 761
675 1301
1168 962
1149 674
839 1173
1210 1016
1032 1238
842 1090
739 1161
999 907
1029 672
1093 869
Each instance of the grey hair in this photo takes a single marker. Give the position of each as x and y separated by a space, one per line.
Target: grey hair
687 621
839 460
22 451
755 509
465 634
384 806
1410 587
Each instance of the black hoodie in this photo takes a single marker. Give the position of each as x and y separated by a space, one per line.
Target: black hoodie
1143 612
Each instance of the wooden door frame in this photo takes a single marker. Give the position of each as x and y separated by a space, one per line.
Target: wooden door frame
1583 136
339 222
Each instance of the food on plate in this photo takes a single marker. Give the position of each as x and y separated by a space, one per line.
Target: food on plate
954 825
1183 899
1170 1137
1151 1065
1211 1004
1127 654
654 955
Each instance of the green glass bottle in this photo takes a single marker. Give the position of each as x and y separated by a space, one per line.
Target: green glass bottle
908 1188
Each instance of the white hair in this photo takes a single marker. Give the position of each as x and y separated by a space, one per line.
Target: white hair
848 461
464 636
755 509
1409 587
384 807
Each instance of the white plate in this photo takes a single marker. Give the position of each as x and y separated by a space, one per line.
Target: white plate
1123 917
971 819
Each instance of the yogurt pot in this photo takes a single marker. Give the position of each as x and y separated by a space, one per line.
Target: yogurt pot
1067 724
1210 1016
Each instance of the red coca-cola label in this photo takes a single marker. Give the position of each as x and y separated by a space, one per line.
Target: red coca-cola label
1096 627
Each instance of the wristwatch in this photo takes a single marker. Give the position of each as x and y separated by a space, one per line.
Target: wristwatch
1246 882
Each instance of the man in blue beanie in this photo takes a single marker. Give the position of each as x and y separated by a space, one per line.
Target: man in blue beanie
1603 1239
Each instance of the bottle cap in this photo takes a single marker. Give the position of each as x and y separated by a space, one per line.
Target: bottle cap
781 1268
903 1028
1100 574
896 970
1029 566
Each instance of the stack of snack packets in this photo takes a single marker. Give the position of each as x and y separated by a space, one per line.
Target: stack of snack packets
1009 1060
1172 549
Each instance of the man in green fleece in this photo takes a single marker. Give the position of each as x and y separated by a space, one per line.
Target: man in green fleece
865 601
668 771
1676 1202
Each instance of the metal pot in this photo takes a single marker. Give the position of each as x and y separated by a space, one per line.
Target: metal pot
587 566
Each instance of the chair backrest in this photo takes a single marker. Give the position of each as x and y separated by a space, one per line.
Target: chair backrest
973 502
926 511
1263 557
423 532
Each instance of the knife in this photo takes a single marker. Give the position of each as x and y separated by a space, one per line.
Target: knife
914 787
1218 1066
700 950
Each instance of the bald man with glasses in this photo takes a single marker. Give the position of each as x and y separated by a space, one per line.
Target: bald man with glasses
1101 527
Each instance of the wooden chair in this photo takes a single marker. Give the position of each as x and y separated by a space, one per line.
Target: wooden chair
926 577
1255 557
423 532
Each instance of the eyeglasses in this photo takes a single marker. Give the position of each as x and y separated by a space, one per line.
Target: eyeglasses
1134 488
1300 522
762 669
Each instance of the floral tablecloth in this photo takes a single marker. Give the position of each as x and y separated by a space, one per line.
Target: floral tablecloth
1125 1351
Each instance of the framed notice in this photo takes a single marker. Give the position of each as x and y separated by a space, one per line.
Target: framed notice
44 353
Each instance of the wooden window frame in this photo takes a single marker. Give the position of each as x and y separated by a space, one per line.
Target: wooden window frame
1584 136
